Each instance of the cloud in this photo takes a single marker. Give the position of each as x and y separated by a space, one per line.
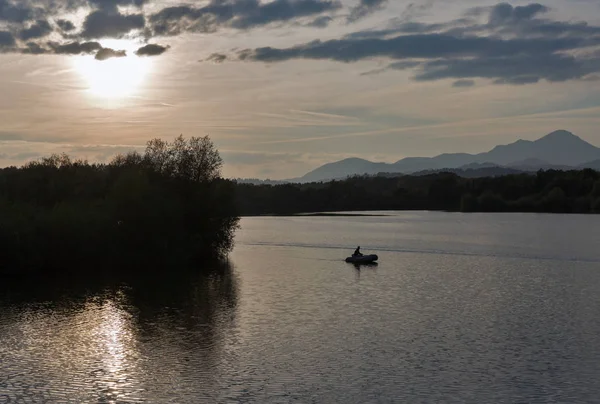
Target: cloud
112 6
216 58
107 53
364 8
280 11
414 46
502 19
320 22
514 46
5 136
15 12
65 25
151 50
259 158
504 13
33 48
26 22
75 48
39 29
414 10
101 24
513 69
463 83
239 14
6 40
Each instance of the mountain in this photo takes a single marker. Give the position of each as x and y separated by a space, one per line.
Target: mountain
533 164
558 150
413 164
344 168
479 166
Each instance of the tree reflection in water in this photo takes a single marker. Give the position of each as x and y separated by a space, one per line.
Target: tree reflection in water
115 338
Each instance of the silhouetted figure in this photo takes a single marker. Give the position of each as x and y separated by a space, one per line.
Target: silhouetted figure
357 252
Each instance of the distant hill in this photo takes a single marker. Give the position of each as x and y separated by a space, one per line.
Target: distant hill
533 164
494 171
256 181
342 169
594 165
558 150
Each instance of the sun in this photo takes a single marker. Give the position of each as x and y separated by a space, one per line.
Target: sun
115 77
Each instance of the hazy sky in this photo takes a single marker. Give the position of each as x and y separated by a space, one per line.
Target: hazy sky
286 85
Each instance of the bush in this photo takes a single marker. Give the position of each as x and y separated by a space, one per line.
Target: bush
166 205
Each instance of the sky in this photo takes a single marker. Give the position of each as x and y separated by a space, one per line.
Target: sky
283 86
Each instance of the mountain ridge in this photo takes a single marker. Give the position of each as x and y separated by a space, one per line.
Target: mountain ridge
559 149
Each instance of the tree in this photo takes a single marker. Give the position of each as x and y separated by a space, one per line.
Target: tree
167 204
555 201
195 159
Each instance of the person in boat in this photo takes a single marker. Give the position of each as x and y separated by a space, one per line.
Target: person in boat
357 252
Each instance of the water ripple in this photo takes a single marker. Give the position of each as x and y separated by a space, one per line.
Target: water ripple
435 322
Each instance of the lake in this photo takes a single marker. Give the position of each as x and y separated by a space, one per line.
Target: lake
461 308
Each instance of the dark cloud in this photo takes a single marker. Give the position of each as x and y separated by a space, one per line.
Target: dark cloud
15 12
404 65
39 29
463 83
504 13
503 19
107 53
513 46
280 11
74 48
175 20
65 25
6 39
240 14
320 22
101 24
111 5
414 46
364 8
33 48
514 69
216 58
405 28
151 50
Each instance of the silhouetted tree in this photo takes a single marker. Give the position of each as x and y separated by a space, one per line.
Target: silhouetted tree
168 204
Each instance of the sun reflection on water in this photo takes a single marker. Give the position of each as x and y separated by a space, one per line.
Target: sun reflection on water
115 343
115 335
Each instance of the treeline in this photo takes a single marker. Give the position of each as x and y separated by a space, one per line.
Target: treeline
545 191
167 205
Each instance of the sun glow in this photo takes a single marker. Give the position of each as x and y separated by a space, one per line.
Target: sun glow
116 77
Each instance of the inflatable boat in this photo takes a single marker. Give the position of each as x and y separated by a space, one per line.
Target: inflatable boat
364 259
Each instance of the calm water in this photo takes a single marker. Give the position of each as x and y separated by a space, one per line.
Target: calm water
461 308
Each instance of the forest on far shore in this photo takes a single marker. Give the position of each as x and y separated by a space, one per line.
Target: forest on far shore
551 191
